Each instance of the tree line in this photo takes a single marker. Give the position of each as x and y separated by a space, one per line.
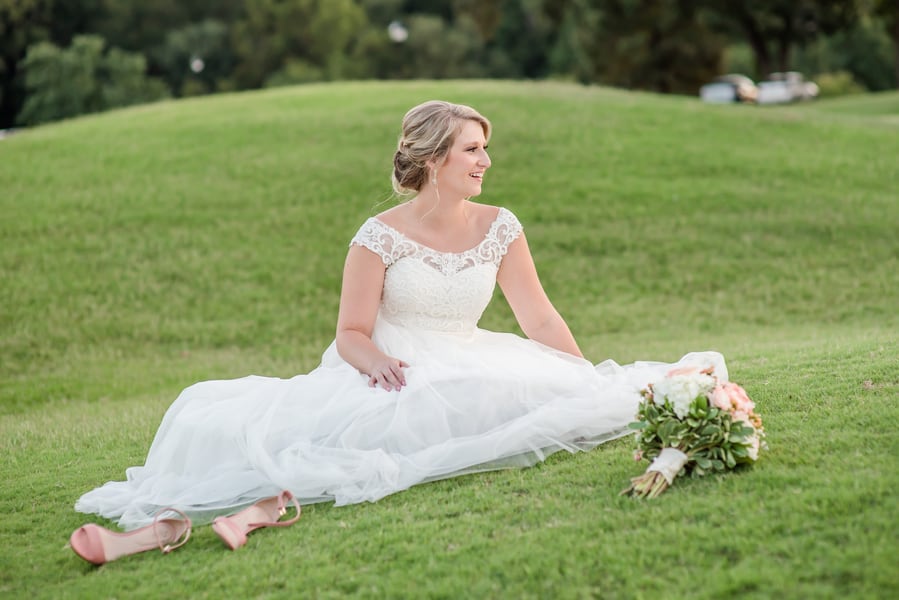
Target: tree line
61 58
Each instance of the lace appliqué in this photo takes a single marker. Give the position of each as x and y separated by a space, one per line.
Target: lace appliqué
443 291
391 245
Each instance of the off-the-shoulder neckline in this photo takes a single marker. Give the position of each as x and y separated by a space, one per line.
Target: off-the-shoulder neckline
490 230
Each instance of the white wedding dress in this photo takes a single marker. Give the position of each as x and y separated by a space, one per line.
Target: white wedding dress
475 400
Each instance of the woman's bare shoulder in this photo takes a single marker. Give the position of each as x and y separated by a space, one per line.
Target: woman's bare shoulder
483 214
395 216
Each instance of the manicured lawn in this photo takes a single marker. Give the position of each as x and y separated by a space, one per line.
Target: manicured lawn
146 249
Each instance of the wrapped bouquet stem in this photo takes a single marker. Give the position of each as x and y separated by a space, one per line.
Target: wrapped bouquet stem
690 422
659 475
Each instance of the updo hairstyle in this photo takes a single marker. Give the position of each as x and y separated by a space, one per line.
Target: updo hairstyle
429 131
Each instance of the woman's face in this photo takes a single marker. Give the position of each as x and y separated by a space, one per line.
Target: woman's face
462 173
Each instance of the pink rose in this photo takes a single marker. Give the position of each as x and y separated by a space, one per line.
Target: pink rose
720 398
739 397
739 415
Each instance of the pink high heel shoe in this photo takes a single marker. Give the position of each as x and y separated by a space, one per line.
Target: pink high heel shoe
99 545
234 529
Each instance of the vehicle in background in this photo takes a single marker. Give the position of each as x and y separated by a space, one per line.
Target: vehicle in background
729 88
790 86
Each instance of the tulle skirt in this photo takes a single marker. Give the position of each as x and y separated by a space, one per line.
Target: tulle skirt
474 401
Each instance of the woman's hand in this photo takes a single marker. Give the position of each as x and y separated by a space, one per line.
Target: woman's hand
388 373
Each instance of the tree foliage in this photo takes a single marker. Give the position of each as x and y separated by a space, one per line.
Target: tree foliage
773 28
22 23
204 46
197 58
659 45
863 53
83 79
888 11
276 33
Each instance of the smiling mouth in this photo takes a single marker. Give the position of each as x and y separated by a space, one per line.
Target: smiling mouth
478 176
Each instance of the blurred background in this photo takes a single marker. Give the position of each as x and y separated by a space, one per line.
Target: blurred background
62 58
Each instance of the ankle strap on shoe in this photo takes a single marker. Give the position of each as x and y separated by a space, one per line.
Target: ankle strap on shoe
166 548
282 510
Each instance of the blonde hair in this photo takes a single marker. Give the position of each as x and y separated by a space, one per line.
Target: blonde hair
429 131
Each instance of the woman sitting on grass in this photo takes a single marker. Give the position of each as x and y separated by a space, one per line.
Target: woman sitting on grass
410 391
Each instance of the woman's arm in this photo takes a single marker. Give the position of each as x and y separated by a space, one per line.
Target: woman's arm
360 296
536 315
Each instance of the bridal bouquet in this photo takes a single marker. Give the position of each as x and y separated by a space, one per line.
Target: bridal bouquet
691 422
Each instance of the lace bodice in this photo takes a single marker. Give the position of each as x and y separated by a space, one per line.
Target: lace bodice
444 291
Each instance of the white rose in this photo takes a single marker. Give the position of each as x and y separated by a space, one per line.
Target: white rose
681 390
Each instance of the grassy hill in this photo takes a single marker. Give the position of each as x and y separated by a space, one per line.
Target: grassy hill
145 249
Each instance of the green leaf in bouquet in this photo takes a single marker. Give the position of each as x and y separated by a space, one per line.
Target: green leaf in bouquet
740 451
667 431
699 406
711 429
702 462
735 438
746 429
729 459
637 425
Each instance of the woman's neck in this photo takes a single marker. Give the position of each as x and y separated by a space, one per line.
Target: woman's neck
429 206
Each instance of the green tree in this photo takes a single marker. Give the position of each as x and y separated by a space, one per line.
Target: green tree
82 78
22 23
773 28
486 15
277 33
659 45
141 26
435 39
888 11
523 38
68 18
138 25
576 24
438 49
864 52
122 79
196 58
382 12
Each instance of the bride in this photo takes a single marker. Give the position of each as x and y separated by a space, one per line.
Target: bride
410 391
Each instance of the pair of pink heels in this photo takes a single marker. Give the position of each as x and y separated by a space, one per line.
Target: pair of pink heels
99 545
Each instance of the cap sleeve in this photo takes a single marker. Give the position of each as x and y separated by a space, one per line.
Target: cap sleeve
379 238
506 229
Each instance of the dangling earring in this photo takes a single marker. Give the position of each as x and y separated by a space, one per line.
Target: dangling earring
434 177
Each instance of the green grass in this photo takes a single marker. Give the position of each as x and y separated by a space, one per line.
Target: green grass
880 107
146 249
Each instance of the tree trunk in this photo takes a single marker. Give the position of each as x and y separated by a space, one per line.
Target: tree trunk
757 43
783 46
896 51
783 54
